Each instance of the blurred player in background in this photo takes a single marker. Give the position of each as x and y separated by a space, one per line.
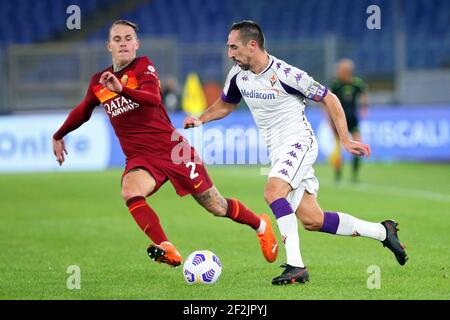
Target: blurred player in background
352 92
129 91
275 93
171 94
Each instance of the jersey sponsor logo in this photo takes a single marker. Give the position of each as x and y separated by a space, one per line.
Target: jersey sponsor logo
119 105
265 94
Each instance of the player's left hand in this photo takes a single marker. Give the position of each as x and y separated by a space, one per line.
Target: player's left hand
111 82
59 149
357 148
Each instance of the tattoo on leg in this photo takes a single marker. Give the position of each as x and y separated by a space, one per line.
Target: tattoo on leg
210 199
223 203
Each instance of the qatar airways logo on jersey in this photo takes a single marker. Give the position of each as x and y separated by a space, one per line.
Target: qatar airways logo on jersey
264 94
119 105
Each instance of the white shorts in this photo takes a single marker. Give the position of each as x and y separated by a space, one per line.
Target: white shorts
293 163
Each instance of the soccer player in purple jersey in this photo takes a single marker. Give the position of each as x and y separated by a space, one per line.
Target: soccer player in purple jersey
276 94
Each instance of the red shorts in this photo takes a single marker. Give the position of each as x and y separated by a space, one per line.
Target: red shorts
187 177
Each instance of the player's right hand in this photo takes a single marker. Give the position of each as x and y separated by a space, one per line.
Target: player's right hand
59 148
191 122
357 148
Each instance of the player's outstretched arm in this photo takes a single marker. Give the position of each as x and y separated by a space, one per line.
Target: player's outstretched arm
218 110
336 112
79 115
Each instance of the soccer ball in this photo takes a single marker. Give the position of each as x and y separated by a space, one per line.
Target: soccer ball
202 266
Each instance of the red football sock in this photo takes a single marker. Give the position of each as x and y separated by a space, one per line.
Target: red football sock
236 211
146 218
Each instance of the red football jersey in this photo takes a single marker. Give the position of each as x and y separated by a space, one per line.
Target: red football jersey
137 114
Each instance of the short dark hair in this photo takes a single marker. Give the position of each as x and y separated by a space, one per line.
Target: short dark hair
124 23
249 30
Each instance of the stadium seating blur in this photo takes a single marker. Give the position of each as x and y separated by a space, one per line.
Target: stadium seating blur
206 21
27 21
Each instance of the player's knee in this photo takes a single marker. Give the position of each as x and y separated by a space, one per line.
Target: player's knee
275 189
270 195
128 193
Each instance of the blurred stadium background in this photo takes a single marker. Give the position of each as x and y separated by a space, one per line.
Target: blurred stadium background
46 67
51 220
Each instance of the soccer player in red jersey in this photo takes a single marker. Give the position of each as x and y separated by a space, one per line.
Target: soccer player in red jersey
129 91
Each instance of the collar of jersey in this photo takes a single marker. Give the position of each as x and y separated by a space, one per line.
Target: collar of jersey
269 65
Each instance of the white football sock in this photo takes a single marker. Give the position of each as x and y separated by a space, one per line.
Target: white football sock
351 226
262 227
289 232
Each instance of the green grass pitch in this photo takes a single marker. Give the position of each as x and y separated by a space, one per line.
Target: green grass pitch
51 221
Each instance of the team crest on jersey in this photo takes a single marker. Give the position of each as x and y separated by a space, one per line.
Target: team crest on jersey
124 79
273 80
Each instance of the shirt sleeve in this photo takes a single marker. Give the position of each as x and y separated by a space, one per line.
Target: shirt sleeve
149 86
231 93
297 81
80 114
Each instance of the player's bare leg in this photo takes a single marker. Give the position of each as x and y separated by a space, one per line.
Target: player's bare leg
136 185
314 219
215 203
275 195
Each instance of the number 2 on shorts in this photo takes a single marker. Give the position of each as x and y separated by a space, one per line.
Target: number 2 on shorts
193 173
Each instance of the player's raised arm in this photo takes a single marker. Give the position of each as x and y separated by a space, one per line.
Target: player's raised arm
336 112
218 110
149 91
